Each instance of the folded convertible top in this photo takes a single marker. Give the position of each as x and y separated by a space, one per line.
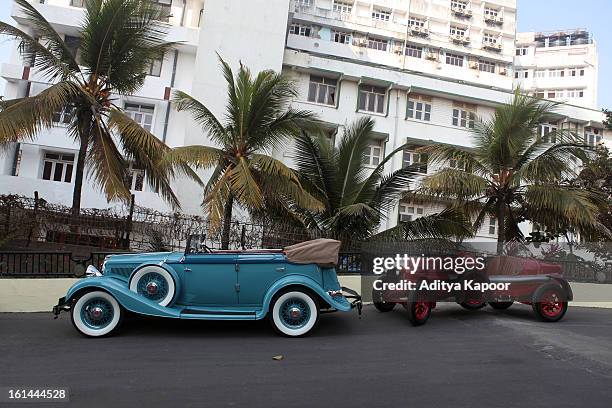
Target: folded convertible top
323 252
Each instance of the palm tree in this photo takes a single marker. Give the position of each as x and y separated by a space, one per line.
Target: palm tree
356 199
514 173
258 120
119 40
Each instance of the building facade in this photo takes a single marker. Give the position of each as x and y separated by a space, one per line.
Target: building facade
560 65
423 69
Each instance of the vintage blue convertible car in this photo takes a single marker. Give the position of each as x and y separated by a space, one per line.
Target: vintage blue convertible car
290 287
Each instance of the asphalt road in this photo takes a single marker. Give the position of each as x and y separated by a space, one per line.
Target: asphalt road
459 359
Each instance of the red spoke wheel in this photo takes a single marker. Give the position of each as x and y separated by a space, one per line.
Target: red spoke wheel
419 309
550 302
473 304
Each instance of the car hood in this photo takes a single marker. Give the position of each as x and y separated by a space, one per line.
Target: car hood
146 257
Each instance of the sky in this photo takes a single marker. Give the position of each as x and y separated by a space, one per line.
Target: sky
534 15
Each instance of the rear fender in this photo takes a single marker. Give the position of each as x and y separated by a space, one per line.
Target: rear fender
306 282
126 298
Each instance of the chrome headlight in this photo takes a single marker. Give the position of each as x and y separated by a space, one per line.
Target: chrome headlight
92 272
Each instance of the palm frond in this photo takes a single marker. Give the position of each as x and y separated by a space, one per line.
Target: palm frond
22 119
202 115
455 184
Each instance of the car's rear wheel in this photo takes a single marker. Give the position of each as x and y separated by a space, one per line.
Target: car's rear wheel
379 303
154 283
294 313
549 302
419 309
96 314
501 305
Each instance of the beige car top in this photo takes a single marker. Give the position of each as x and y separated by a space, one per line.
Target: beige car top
323 252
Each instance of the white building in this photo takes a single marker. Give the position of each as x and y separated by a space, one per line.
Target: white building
424 69
559 65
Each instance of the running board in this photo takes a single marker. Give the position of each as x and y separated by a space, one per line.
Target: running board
216 312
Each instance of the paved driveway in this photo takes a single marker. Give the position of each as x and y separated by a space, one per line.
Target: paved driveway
459 359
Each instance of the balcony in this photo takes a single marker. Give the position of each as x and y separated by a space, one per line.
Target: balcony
419 31
460 39
492 46
461 12
491 19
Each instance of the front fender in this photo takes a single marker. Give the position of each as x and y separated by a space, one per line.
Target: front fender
126 298
340 304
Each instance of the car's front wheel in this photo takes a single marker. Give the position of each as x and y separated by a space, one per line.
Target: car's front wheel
294 313
549 302
96 314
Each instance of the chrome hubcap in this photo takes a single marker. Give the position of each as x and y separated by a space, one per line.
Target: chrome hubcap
295 312
96 313
152 288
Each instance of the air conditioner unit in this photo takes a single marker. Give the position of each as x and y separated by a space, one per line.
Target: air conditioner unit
361 43
431 56
416 28
462 39
503 71
474 65
460 11
398 50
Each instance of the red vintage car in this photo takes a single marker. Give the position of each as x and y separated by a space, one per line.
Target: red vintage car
502 281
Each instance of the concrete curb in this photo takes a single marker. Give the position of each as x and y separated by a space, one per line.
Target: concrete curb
40 295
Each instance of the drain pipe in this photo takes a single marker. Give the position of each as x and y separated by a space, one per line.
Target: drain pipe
167 118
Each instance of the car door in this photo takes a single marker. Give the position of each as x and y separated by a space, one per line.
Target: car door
256 273
210 280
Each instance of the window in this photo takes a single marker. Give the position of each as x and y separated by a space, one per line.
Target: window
414 51
457 165
521 51
540 94
458 5
58 167
341 37
378 44
77 3
344 8
155 66
135 177
411 158
372 98
463 118
64 116
582 72
416 22
166 8
574 93
491 13
554 94
409 212
322 90
521 74
540 73
300 29
373 153
418 109
486 66
457 31
547 134
142 114
381 15
592 137
492 225
556 73
73 44
488 38
454 59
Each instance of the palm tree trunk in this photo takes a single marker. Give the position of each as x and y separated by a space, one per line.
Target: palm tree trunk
78 177
227 221
501 226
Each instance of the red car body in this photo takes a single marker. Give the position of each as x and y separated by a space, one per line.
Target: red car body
512 279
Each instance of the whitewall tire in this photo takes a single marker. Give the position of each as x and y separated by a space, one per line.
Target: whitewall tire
294 313
155 284
96 314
